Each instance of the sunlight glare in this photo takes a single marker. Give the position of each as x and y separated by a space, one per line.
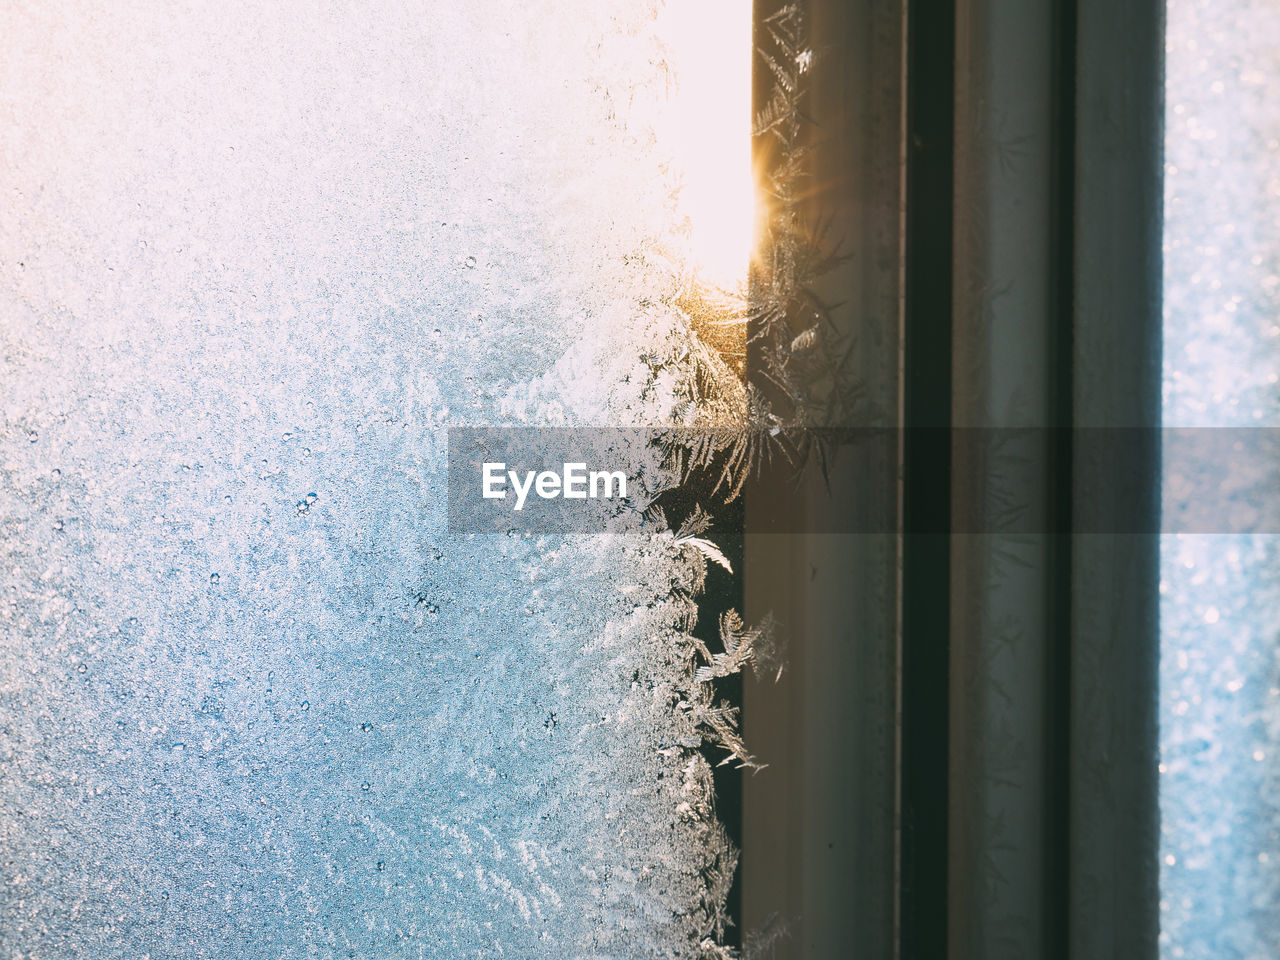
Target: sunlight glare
710 52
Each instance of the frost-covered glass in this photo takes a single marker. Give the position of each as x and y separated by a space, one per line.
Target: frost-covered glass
254 702
1220 607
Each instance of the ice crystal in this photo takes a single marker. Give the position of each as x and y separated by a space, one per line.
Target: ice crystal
1220 609
255 702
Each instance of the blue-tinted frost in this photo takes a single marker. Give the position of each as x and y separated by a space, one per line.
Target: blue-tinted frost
253 702
1220 608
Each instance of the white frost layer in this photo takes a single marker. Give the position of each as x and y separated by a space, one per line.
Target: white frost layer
255 258
1220 602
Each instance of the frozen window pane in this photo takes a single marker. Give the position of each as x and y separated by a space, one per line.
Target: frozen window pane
1220 687
254 703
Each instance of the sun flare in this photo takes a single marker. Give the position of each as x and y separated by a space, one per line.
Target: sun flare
710 52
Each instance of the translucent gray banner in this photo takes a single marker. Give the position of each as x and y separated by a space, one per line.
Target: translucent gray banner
1006 480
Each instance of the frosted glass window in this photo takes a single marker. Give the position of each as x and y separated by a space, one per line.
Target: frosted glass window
1220 602
255 259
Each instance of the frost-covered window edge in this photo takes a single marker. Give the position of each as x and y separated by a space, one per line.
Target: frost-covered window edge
229 365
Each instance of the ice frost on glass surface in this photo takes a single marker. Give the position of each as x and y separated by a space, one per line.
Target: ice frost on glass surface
254 702
1220 608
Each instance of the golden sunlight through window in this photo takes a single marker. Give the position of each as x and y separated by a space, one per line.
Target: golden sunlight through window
710 52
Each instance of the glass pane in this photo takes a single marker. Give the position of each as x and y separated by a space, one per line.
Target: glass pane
1220 693
255 702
